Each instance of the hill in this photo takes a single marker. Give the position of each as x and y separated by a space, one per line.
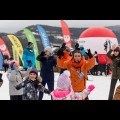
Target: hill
54 34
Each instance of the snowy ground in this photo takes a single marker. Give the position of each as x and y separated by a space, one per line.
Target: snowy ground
102 84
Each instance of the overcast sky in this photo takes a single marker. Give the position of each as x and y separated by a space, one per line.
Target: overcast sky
12 26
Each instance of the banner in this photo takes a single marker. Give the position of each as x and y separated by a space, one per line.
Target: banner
1 61
32 39
66 34
15 55
43 36
17 45
4 48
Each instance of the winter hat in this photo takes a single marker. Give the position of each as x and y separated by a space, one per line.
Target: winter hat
29 44
48 48
64 81
14 64
34 71
117 49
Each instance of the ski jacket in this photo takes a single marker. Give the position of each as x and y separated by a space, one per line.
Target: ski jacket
115 65
78 83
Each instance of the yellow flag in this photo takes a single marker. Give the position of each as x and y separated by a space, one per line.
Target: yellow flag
17 45
15 55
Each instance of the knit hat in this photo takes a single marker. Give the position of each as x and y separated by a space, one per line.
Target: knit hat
117 49
14 64
29 44
48 48
64 81
34 71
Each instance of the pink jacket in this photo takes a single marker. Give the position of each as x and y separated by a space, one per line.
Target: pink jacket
70 95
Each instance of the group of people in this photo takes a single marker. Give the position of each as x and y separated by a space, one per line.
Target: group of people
71 85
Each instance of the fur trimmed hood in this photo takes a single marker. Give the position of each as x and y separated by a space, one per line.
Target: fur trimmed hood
38 78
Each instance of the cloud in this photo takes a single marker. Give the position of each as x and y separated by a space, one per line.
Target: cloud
12 26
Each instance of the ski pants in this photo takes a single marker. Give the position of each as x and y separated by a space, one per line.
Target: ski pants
112 88
50 84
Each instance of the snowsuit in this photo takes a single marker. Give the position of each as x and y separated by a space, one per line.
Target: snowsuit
47 72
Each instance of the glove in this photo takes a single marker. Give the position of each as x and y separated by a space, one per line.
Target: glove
77 46
29 61
47 91
42 53
91 87
60 52
89 53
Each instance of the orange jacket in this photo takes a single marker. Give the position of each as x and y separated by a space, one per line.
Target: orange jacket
78 84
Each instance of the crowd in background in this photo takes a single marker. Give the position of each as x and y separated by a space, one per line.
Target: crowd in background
26 84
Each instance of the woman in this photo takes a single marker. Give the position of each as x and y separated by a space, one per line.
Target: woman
115 67
77 66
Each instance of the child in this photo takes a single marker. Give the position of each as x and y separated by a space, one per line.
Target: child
64 90
32 86
15 77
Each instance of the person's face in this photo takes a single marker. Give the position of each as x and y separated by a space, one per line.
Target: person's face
77 57
32 46
32 76
116 53
47 53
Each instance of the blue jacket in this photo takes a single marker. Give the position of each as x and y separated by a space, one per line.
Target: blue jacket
28 54
47 72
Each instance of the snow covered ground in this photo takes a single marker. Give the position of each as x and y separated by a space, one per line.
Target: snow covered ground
102 84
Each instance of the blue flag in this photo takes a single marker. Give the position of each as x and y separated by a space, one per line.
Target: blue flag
43 36
1 61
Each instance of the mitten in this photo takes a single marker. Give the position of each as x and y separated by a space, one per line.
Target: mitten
89 53
91 87
60 52
42 53
47 91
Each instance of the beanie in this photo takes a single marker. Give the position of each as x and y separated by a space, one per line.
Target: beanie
29 44
14 64
34 71
48 48
64 81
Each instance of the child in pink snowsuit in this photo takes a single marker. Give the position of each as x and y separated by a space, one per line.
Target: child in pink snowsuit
64 89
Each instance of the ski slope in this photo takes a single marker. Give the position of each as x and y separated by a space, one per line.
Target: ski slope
101 91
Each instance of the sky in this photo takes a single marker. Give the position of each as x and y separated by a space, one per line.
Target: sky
12 26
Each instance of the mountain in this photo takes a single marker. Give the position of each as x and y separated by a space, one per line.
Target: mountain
54 34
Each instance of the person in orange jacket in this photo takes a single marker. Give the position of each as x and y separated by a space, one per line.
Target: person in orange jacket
76 65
